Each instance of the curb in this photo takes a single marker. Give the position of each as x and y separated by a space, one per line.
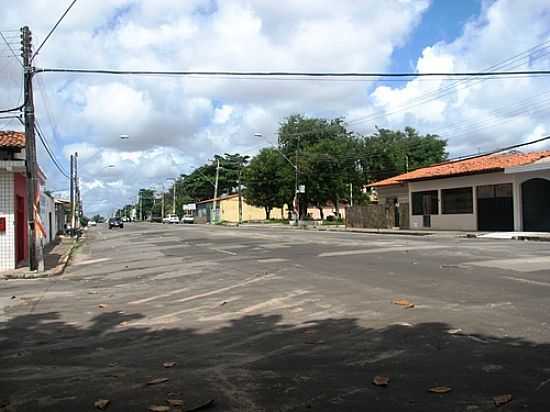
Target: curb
56 271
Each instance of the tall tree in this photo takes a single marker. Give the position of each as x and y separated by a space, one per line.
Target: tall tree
268 181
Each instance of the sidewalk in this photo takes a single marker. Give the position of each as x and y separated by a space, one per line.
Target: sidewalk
532 236
56 258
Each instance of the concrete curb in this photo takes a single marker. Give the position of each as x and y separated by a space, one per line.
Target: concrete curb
56 271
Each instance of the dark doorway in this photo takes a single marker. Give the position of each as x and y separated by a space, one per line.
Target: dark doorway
535 194
19 228
50 227
495 207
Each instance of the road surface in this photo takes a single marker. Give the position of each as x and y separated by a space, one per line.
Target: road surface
278 319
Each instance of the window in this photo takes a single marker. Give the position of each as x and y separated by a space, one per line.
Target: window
425 203
456 201
494 191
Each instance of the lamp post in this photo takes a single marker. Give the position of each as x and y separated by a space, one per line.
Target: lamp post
295 166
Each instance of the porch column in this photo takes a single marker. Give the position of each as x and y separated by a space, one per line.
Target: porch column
516 185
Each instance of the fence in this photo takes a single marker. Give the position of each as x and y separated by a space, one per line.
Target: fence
378 216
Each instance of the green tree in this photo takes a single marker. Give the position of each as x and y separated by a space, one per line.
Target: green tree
388 153
98 219
268 181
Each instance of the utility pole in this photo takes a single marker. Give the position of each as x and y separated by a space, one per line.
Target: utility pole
351 194
174 200
72 195
240 196
162 204
30 143
141 205
216 191
77 195
297 214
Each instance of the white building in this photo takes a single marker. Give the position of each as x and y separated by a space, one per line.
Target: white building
501 192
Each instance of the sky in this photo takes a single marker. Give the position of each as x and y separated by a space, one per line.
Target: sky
175 124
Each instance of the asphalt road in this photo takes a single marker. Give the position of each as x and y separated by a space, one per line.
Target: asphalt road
276 319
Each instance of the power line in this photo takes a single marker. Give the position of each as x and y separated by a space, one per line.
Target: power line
294 74
11 49
49 151
53 29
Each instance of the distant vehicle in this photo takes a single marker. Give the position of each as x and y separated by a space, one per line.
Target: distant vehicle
115 222
189 212
171 219
92 223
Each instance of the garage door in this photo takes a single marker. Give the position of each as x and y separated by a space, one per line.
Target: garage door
535 195
495 208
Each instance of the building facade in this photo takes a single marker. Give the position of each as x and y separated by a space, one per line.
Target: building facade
503 192
14 247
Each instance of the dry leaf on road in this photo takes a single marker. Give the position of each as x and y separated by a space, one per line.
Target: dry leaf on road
175 403
381 380
102 306
102 404
502 399
401 302
157 381
440 389
168 364
159 408
410 306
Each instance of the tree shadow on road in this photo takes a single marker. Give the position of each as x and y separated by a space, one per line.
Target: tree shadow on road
261 363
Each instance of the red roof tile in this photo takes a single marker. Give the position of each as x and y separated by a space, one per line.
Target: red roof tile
483 164
12 140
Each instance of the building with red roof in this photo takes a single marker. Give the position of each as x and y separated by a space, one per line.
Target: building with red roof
496 192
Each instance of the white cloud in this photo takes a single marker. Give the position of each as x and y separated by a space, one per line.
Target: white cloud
173 121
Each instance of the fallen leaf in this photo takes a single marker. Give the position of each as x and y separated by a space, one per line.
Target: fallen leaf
159 408
401 302
168 364
454 331
123 324
102 404
13 297
440 389
410 306
502 399
202 406
101 306
381 380
175 403
157 381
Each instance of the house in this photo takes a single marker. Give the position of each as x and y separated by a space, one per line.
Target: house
496 192
14 248
227 207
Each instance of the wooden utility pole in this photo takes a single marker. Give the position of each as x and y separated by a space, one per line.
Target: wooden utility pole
30 144
76 195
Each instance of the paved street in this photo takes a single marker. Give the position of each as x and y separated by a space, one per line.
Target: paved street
275 319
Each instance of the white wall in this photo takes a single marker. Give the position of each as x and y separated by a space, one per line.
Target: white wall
47 206
400 192
7 206
468 222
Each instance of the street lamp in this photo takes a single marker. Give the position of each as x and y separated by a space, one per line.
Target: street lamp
295 166
124 137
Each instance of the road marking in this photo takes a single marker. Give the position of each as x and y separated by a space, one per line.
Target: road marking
227 252
272 260
524 264
164 295
528 281
380 250
221 290
89 262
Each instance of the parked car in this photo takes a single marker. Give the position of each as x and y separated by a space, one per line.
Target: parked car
171 219
187 219
115 222
92 223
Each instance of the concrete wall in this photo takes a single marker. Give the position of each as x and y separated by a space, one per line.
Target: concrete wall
230 211
373 216
47 209
7 206
468 222
401 193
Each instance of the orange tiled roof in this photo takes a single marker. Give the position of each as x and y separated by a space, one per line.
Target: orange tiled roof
12 140
483 164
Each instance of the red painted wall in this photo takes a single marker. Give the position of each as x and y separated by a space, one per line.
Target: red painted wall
20 186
